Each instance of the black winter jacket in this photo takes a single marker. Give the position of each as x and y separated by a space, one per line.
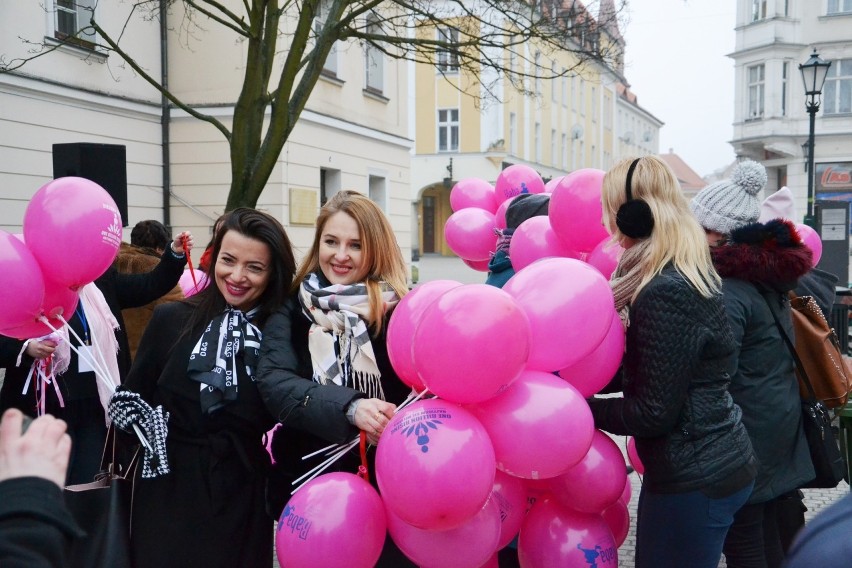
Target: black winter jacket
675 382
759 265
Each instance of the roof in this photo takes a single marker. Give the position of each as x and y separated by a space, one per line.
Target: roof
690 181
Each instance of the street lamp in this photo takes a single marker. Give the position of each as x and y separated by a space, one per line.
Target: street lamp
813 72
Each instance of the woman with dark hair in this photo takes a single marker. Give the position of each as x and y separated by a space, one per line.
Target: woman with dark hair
199 498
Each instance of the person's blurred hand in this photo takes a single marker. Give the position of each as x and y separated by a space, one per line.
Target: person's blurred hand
41 348
372 415
42 451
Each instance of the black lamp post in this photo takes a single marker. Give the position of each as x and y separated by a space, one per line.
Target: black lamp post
813 72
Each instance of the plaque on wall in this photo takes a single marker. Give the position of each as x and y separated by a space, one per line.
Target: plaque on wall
304 206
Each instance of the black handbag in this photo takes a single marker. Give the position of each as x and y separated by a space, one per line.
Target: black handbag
102 508
822 439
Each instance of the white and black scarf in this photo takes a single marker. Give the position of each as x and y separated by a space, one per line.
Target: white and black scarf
213 362
339 338
127 408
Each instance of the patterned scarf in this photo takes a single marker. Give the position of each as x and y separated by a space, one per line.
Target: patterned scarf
218 371
339 340
626 279
127 408
504 239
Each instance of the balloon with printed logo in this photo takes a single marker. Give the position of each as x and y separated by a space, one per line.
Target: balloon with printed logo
617 516
811 239
555 536
73 228
633 456
21 283
510 494
426 448
515 180
534 239
403 322
471 343
568 303
605 257
594 371
473 192
575 209
336 519
470 233
527 425
596 482
470 544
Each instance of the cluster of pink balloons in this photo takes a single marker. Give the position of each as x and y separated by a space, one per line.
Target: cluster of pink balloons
72 231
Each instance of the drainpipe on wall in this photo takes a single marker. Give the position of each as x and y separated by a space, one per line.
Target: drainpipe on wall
165 115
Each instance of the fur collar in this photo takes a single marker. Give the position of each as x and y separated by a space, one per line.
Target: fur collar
771 254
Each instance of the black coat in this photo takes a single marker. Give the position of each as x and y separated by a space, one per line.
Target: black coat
675 379
757 273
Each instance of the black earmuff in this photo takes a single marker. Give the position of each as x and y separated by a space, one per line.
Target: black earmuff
634 218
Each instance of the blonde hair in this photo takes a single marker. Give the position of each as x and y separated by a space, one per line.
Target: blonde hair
380 253
677 237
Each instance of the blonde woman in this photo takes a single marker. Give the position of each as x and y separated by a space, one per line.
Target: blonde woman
680 354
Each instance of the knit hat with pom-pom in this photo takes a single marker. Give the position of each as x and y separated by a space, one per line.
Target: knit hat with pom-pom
731 203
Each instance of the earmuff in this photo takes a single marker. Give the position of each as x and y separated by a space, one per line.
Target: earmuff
634 218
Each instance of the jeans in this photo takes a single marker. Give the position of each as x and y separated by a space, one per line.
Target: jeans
684 529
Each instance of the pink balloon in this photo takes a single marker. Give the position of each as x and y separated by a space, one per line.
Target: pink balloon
535 239
811 239
554 536
500 215
617 517
627 493
336 519
491 562
59 300
594 371
568 303
403 323
633 456
73 228
470 544
473 192
470 233
515 180
605 257
510 494
190 288
551 185
21 283
478 265
537 490
454 349
575 209
596 482
425 450
528 425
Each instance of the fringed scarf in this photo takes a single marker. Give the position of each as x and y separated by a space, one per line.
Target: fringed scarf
213 363
339 338
504 239
626 279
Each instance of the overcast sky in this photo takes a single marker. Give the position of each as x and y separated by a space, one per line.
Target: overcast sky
676 64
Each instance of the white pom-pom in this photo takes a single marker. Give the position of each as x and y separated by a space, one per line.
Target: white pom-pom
750 176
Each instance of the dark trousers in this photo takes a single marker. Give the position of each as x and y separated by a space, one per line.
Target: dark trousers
87 428
754 540
684 529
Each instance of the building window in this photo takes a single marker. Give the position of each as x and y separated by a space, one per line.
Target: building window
837 93
839 7
378 191
553 156
582 95
554 83
329 184
758 10
448 130
785 70
513 133
564 88
564 152
755 92
374 59
537 72
72 19
330 65
538 142
594 104
448 60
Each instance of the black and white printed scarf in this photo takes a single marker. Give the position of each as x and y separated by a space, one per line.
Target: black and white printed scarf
213 363
339 339
127 408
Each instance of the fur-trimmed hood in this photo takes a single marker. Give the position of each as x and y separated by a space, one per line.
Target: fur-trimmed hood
771 254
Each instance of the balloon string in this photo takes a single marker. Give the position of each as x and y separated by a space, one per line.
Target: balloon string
98 372
189 262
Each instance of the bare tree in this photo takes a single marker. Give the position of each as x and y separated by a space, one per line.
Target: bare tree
483 33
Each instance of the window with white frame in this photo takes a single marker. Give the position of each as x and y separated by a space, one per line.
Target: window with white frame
330 65
564 88
448 130
553 155
837 92
538 142
838 7
574 92
785 70
554 83
513 133
374 59
378 191
537 72
755 75
448 59
582 95
71 21
758 10
594 104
